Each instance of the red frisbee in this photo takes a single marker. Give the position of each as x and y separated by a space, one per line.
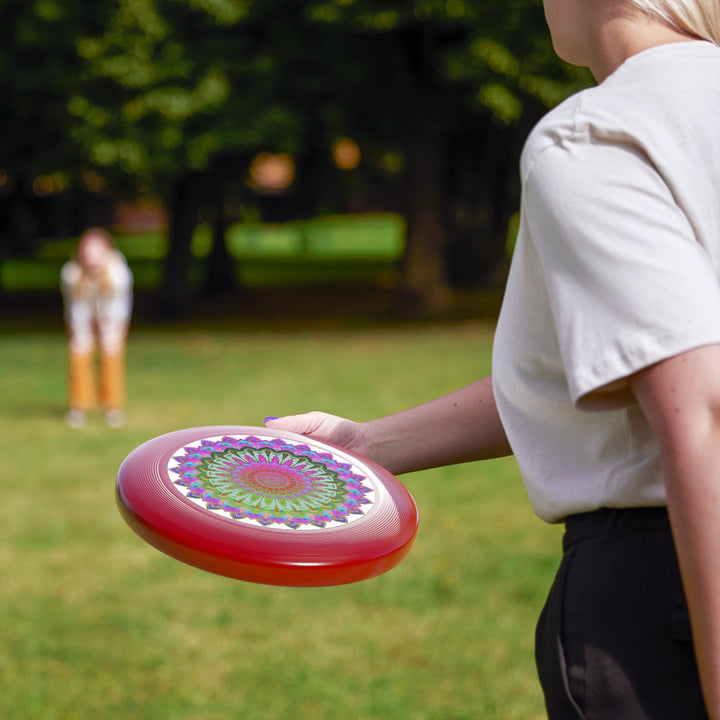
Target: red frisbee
266 506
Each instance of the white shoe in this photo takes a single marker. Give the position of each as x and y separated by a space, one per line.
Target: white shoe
75 418
115 418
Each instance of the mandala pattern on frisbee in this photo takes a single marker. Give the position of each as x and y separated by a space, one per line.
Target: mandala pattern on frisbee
270 482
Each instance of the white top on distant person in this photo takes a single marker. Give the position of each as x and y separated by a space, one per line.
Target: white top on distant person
607 358
97 293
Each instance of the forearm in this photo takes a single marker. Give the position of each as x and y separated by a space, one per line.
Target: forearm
460 427
693 496
681 400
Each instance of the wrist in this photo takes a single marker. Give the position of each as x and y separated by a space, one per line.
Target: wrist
375 445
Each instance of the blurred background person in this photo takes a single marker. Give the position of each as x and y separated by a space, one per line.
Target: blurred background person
97 295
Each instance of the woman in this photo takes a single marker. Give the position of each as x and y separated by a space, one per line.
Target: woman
97 293
606 365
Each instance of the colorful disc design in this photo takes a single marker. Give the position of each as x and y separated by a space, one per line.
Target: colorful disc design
270 482
266 506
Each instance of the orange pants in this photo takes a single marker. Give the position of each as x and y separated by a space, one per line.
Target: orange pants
83 390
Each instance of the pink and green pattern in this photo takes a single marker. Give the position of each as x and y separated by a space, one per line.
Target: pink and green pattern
271 482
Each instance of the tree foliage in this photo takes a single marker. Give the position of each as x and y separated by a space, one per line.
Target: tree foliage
468 77
175 97
39 68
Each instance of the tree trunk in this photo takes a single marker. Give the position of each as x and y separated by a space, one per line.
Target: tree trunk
175 295
424 143
485 194
424 276
220 267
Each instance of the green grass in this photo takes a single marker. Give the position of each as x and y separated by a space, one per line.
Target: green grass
94 623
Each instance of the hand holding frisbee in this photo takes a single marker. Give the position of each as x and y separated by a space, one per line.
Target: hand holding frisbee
268 506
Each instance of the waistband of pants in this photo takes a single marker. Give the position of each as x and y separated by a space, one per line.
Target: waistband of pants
611 521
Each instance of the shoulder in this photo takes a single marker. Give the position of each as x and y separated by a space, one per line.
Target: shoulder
71 273
117 269
595 116
553 130
649 104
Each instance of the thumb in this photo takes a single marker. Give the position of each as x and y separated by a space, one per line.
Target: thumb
320 426
304 424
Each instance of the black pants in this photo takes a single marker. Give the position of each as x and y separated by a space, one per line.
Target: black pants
613 641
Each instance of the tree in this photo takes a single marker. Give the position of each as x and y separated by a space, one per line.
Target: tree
460 72
182 94
175 98
38 70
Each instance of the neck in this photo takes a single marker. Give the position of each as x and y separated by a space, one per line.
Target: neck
621 36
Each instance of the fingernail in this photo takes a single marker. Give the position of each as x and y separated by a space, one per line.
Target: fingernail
270 417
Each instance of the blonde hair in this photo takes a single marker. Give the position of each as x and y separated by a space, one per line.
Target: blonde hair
86 286
699 18
99 234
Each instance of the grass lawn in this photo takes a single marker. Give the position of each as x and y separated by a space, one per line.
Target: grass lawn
94 623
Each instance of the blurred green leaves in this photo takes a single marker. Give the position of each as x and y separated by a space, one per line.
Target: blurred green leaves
150 88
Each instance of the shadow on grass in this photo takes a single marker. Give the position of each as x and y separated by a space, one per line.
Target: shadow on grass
274 309
34 411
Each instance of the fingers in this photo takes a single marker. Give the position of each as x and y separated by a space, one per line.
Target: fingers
305 424
291 423
320 426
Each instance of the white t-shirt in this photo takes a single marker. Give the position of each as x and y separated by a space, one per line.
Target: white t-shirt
97 308
617 266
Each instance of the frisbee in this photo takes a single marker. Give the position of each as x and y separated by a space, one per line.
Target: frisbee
266 506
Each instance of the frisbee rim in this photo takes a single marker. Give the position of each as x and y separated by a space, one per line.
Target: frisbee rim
159 520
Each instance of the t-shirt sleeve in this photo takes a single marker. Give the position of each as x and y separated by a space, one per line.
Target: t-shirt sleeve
629 282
